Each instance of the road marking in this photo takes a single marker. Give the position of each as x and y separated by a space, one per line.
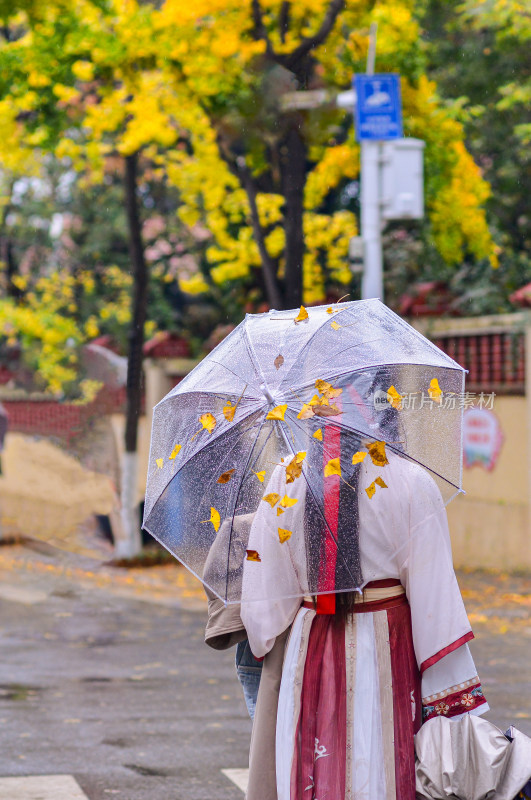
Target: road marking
18 594
41 787
238 776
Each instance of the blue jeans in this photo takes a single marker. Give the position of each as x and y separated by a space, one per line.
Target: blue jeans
249 673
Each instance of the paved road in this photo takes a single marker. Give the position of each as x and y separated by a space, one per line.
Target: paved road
122 694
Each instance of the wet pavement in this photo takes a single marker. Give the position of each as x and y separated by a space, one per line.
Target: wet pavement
104 676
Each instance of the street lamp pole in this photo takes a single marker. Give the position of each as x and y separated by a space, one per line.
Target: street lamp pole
371 227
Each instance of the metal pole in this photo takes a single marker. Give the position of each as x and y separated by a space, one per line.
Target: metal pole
372 282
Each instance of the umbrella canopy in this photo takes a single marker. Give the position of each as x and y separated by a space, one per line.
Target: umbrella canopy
287 406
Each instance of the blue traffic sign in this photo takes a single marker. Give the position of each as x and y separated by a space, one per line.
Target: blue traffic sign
378 107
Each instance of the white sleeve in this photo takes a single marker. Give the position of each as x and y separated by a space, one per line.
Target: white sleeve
438 617
451 687
271 589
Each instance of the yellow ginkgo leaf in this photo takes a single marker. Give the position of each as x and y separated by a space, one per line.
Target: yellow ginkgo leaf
327 389
299 458
283 535
214 518
252 555
159 462
260 475
293 470
272 498
333 467
371 489
329 310
435 391
306 412
377 453
277 413
319 401
302 315
208 421
358 457
288 502
334 325
176 450
318 434
228 411
394 398
226 476
380 482
280 511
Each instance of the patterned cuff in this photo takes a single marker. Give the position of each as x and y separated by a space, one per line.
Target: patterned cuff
454 701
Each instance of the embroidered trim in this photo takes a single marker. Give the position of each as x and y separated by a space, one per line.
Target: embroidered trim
445 651
439 695
454 704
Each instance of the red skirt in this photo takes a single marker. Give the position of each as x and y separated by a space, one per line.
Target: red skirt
354 696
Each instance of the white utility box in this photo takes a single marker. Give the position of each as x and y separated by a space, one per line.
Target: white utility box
402 175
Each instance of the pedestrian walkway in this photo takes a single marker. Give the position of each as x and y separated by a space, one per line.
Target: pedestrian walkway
41 787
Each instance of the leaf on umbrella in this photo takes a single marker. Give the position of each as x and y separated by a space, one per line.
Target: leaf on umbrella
435 391
358 457
252 555
319 401
326 389
176 450
306 412
277 412
299 458
279 360
334 325
215 519
318 434
260 475
288 502
283 535
371 488
331 310
326 411
228 411
302 315
280 511
159 462
226 476
293 470
394 398
271 498
333 467
208 421
377 453
381 482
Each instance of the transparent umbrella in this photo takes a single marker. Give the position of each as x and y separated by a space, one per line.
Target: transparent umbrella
290 403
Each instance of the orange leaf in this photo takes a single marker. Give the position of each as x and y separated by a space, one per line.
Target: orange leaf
277 413
175 451
252 555
435 391
381 482
272 498
280 511
226 476
284 535
302 315
394 398
358 457
208 421
318 434
279 360
377 454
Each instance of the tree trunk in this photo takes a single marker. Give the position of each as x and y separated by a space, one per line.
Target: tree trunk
131 543
293 166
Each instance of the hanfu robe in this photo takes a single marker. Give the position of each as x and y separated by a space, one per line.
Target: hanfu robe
353 693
